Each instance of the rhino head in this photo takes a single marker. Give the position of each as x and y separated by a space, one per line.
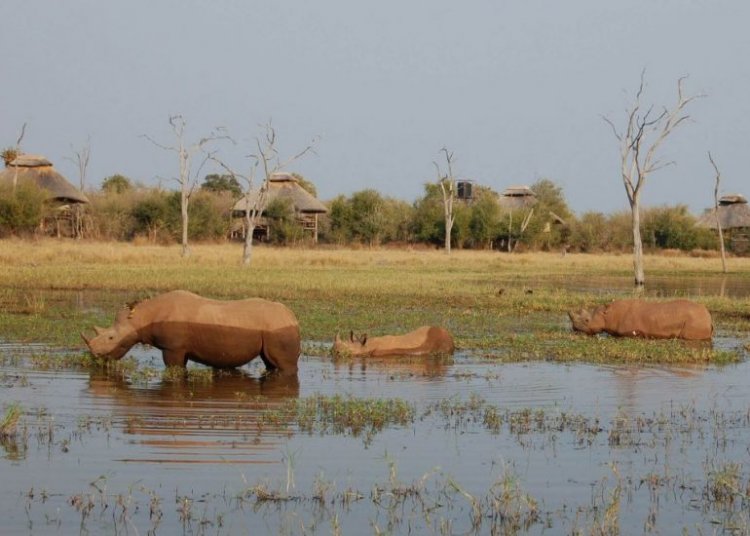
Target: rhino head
114 342
352 347
588 321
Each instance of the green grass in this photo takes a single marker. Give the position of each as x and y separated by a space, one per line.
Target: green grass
509 307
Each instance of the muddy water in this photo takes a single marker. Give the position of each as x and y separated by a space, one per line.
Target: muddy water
106 455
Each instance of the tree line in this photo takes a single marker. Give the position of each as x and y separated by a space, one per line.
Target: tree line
124 211
369 218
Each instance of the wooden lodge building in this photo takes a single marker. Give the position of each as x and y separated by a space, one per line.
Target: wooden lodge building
306 207
734 216
64 199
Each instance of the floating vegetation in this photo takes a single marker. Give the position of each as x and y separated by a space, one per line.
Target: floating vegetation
567 347
343 414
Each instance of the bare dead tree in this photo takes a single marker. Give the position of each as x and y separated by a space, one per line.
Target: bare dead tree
81 159
186 178
17 150
265 162
644 133
447 184
716 213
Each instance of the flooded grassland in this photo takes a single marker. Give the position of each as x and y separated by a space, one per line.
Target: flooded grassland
527 429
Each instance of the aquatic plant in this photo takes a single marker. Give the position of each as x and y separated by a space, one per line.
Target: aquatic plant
724 485
9 422
350 415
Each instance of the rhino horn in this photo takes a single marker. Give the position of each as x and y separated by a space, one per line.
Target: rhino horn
87 340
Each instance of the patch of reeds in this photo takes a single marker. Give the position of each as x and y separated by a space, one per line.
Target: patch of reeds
346 415
726 486
9 422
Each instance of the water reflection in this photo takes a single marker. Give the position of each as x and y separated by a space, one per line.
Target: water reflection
403 366
13 447
628 387
728 286
209 420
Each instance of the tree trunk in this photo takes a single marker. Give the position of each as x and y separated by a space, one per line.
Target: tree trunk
247 249
721 243
716 214
448 229
184 213
510 231
640 278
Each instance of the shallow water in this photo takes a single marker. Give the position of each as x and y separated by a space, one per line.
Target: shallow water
729 285
103 454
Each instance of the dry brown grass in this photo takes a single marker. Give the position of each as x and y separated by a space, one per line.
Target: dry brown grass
48 252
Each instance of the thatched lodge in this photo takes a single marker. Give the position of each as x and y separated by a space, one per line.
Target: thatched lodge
285 186
734 216
63 198
515 197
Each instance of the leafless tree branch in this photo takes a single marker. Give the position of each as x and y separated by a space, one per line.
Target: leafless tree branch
716 213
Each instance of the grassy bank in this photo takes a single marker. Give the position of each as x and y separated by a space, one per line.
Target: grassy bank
489 300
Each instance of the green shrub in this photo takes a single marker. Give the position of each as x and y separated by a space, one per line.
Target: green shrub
22 210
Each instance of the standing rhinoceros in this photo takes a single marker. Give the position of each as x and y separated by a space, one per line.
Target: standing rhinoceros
422 341
679 319
221 334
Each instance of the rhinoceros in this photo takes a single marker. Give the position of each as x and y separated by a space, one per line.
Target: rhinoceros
678 319
426 340
220 334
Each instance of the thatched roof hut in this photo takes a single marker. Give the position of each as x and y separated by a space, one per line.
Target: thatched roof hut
734 213
38 170
285 186
515 197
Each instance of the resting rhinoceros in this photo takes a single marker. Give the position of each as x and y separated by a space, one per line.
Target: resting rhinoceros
422 341
679 319
221 334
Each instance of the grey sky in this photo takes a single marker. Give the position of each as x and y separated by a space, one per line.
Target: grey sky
516 89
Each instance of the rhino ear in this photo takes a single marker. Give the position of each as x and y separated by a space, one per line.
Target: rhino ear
363 339
337 338
98 330
351 336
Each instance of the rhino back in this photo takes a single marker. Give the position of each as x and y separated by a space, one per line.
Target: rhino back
422 341
187 308
679 318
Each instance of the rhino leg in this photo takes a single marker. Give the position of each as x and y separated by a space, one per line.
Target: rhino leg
174 358
281 350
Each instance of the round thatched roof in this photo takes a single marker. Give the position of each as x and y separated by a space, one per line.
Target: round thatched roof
38 170
285 186
734 213
517 197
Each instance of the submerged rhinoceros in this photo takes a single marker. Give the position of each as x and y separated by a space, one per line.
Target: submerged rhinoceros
679 319
221 334
426 340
